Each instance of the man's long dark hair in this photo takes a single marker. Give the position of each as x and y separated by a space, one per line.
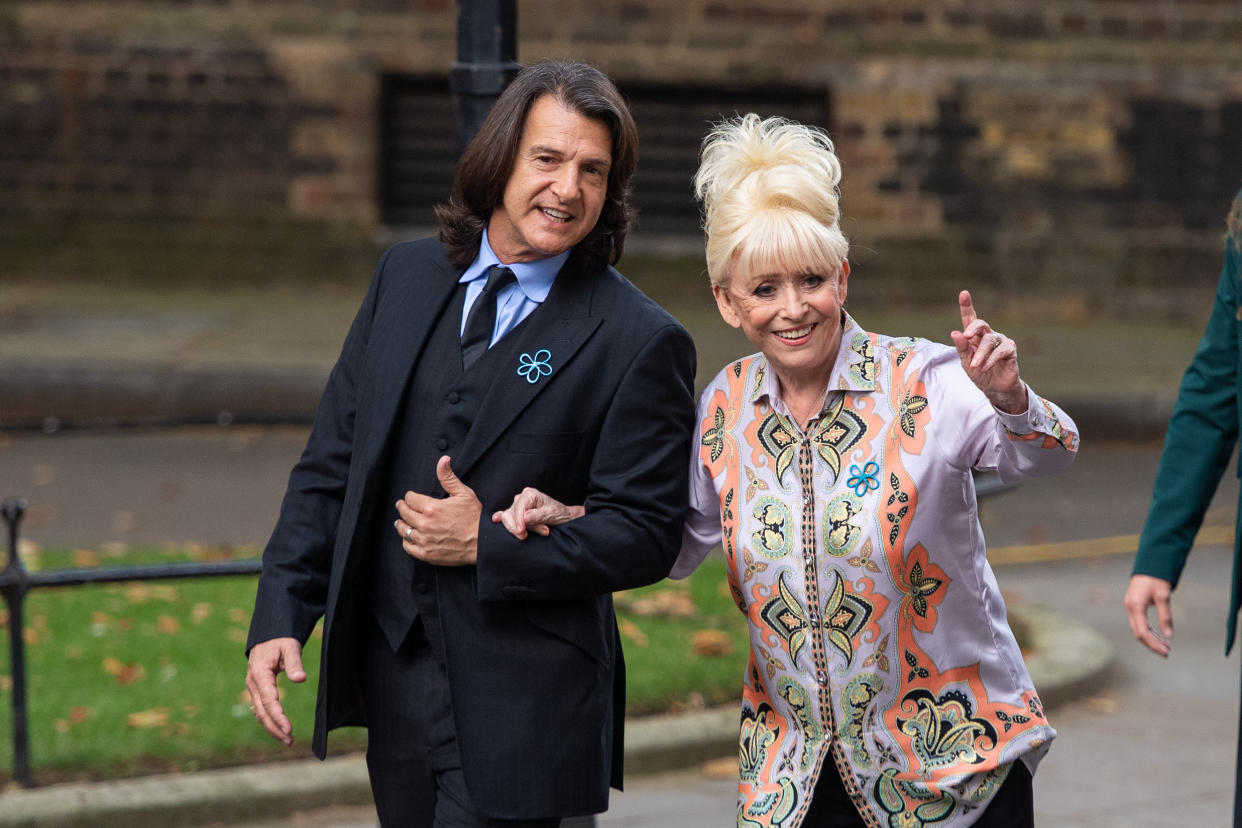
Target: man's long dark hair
485 166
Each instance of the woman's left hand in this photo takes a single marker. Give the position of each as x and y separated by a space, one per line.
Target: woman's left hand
534 511
990 359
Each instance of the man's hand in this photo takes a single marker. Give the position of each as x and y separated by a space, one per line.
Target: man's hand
532 510
1146 591
267 660
443 531
989 358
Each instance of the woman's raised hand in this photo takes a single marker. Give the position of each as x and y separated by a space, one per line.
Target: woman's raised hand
990 359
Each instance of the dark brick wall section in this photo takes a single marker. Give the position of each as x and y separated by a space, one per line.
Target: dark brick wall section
991 125
148 128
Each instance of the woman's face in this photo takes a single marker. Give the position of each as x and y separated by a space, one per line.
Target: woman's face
793 318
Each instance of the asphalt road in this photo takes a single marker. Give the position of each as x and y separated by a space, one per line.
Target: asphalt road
1154 747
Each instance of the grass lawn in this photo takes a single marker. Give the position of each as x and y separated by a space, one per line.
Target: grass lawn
140 677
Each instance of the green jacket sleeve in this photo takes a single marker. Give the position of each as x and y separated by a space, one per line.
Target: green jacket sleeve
1200 437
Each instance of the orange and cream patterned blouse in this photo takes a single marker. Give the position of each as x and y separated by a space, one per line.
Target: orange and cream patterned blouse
878 637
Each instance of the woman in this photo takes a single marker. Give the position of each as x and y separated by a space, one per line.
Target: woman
885 687
1201 438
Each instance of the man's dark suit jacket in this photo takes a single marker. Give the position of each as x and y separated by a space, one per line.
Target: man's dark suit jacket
533 655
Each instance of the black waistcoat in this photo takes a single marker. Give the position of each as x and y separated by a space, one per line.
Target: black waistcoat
440 404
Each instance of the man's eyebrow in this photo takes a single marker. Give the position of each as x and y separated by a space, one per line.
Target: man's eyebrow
541 149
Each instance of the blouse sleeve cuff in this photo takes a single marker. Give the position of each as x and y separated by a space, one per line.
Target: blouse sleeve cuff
1033 419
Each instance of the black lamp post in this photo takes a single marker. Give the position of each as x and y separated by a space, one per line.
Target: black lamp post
486 60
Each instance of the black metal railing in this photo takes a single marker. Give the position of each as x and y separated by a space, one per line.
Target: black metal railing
16 582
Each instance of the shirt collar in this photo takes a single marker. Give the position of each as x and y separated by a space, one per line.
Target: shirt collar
534 278
853 370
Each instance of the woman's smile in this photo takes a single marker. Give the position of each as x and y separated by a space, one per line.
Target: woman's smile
795 336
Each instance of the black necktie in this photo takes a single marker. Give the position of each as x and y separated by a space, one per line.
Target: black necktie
481 320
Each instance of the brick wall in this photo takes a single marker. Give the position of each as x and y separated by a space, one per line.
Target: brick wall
1045 144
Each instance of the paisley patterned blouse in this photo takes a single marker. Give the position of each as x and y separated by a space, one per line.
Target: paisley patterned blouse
878 637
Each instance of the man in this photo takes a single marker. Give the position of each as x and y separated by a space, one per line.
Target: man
488 669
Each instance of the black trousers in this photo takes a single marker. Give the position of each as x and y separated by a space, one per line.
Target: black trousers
1012 807
1237 772
412 755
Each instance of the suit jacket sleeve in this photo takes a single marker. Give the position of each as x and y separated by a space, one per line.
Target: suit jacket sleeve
297 561
1200 438
636 498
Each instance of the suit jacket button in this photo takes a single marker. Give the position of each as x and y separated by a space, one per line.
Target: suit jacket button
454 398
441 444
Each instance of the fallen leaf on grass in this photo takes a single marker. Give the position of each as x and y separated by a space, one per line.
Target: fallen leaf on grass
123 673
221 552
692 702
168 625
6 683
31 636
73 652
114 549
165 592
665 603
4 618
711 643
147 719
237 635
99 624
85 558
77 715
238 615
631 631
140 593
201 612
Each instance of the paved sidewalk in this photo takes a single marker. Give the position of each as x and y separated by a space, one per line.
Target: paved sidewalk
74 356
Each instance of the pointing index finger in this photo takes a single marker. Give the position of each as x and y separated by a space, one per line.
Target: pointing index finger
967 307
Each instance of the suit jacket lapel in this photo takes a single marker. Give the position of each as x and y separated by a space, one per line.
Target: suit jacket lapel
403 322
542 346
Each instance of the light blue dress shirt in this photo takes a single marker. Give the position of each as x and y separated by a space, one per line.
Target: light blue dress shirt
516 301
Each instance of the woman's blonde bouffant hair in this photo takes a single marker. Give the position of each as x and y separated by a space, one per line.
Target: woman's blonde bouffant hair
770 199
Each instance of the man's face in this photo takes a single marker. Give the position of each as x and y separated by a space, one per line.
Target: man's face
556 190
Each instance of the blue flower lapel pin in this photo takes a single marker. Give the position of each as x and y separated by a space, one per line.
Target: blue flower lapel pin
533 368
